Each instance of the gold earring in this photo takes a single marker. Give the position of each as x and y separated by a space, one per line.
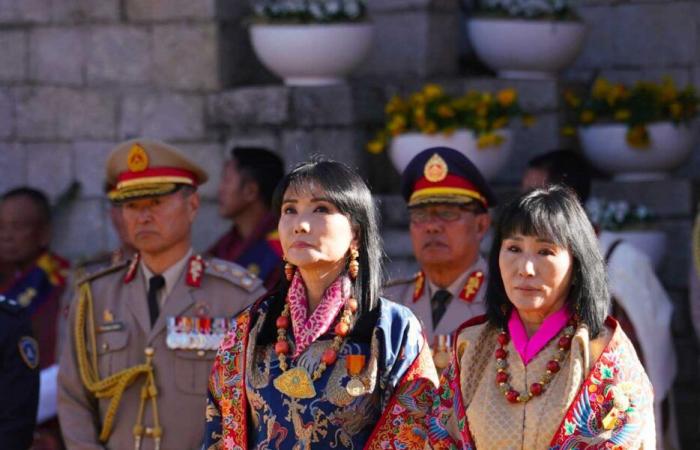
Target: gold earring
288 270
353 265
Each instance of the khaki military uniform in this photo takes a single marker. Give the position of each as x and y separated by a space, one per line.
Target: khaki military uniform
467 298
122 333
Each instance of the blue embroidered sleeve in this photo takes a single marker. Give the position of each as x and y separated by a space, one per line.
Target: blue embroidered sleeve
212 426
401 339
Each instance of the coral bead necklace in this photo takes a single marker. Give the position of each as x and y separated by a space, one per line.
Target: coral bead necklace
297 382
537 388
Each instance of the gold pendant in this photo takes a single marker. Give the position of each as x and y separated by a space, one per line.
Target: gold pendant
295 383
356 387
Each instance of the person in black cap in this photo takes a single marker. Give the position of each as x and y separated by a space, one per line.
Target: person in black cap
448 201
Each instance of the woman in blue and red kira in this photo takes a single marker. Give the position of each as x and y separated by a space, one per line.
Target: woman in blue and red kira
544 369
323 362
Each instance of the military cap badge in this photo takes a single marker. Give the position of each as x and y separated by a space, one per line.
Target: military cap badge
137 159
435 169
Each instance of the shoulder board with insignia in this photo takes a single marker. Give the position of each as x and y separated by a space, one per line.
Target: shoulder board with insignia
232 272
101 272
398 281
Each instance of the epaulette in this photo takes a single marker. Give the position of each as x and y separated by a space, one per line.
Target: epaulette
100 272
9 305
232 272
398 281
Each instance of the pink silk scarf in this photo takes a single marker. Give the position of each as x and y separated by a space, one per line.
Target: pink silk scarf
528 348
309 328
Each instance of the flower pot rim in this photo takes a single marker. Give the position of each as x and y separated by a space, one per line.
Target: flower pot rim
614 124
443 133
488 18
363 23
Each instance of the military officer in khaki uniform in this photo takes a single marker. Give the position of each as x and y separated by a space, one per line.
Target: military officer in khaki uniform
143 333
448 201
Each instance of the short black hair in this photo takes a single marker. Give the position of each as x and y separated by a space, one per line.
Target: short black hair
554 213
565 167
350 194
37 197
262 166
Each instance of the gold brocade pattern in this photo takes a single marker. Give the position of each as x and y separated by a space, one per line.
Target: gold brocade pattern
290 419
497 424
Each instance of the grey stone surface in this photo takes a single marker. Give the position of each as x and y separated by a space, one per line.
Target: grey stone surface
13 57
161 10
79 231
208 226
323 105
397 243
118 54
413 43
266 105
57 55
49 167
209 156
252 138
673 26
542 136
24 11
667 198
185 56
393 210
90 158
7 113
599 47
340 144
35 113
73 11
13 160
163 116
674 269
87 114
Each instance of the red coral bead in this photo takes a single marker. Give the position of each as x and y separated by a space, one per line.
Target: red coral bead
565 342
282 322
282 347
503 338
352 304
342 329
536 388
501 354
512 396
501 377
329 356
553 366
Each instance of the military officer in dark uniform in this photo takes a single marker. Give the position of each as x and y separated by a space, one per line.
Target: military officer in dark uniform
19 377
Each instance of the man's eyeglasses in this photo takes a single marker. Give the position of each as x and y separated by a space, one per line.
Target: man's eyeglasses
424 214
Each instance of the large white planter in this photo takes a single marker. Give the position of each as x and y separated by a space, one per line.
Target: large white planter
606 148
316 54
650 242
526 49
489 160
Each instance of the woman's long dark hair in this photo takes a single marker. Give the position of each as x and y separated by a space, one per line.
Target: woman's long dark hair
349 193
553 213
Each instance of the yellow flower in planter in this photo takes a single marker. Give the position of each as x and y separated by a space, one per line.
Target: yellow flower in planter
431 110
638 137
644 103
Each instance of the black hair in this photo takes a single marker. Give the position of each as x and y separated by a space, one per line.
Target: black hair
261 166
565 167
553 213
350 194
37 197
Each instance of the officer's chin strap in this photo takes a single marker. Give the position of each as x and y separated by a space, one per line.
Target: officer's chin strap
113 387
